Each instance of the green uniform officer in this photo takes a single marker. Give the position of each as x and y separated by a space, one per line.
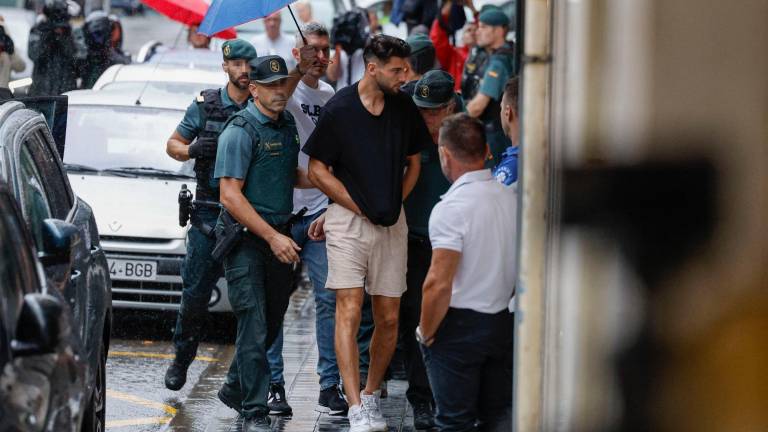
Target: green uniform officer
195 139
256 165
496 70
436 99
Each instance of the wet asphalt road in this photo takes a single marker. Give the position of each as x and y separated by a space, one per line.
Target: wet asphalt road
141 350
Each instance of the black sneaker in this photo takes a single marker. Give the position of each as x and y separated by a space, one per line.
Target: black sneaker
176 376
423 416
331 401
276 401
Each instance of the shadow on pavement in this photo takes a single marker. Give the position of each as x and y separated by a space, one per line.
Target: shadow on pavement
159 325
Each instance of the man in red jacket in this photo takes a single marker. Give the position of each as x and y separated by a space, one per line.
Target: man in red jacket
452 58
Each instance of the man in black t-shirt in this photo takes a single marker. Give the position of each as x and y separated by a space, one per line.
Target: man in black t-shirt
367 134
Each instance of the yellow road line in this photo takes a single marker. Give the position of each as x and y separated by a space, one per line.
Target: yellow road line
143 402
155 355
137 422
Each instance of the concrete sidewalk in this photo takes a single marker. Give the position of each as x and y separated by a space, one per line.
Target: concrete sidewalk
204 412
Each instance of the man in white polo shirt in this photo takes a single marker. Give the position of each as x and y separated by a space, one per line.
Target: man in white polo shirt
466 329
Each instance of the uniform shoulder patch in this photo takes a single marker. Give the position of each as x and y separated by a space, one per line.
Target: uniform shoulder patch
239 121
200 98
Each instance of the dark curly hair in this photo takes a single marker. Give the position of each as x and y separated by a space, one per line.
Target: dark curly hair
383 47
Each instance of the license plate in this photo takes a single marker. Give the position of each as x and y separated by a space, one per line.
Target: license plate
133 270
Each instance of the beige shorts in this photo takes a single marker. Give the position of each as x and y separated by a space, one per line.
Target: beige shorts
361 253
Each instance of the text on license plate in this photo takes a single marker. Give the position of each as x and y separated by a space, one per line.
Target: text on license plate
132 270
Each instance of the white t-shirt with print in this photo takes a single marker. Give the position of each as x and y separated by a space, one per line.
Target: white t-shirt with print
305 106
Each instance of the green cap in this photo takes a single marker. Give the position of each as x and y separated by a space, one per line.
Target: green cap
434 89
494 16
268 69
419 42
238 49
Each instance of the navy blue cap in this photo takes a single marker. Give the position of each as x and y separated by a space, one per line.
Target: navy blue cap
268 69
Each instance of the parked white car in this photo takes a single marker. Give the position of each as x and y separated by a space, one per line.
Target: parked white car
152 78
116 160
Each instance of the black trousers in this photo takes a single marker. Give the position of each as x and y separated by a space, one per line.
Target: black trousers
470 368
419 258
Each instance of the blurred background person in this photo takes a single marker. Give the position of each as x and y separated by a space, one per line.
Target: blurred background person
99 54
374 24
488 78
273 41
10 61
452 58
52 49
348 37
197 40
304 12
418 12
421 60
506 171
116 40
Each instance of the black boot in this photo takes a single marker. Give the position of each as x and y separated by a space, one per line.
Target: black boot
423 416
176 375
231 398
257 424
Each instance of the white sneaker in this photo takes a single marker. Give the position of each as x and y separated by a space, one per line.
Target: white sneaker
372 407
358 420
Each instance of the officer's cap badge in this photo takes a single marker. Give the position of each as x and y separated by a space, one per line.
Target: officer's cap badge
274 66
227 50
424 91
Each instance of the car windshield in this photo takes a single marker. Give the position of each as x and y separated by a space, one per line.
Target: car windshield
122 139
160 86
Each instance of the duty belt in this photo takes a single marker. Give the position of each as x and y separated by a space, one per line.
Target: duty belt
207 230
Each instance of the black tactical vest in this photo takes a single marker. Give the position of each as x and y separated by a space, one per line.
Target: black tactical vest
473 73
213 116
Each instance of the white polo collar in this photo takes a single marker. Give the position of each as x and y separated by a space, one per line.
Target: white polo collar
469 177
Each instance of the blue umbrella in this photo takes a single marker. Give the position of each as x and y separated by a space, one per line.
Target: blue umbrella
223 14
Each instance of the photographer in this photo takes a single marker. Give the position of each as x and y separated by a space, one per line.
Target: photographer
97 43
348 36
52 49
9 60
419 12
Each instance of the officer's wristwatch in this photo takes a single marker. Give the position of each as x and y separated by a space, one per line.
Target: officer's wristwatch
420 338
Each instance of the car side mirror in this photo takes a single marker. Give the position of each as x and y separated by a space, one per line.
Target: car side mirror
38 331
59 240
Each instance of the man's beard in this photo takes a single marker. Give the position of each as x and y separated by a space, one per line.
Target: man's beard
387 89
236 82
